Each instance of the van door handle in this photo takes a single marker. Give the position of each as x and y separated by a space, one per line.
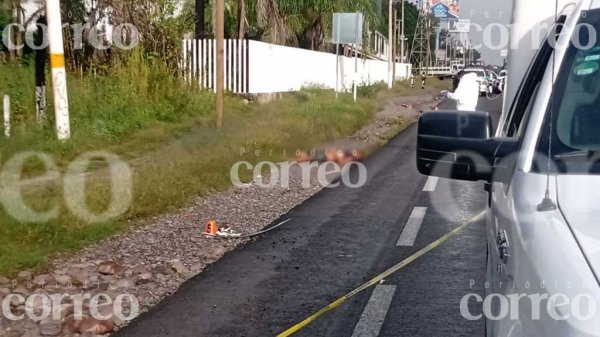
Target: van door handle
503 246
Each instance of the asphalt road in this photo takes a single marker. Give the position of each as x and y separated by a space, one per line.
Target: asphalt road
335 242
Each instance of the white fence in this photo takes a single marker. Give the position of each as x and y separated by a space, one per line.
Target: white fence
255 67
198 64
381 46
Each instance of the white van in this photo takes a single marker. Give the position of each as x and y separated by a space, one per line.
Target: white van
542 170
482 80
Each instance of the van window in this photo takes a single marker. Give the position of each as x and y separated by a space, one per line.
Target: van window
525 95
571 133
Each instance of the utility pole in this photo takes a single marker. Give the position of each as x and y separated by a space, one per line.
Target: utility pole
59 75
220 36
402 51
390 42
394 45
421 49
200 26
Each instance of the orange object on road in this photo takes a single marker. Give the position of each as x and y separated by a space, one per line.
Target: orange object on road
211 228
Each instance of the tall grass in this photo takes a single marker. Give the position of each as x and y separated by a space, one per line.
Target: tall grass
165 131
105 110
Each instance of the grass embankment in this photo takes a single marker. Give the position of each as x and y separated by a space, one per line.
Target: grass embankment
165 131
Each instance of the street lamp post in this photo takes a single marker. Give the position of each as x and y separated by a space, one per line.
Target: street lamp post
220 68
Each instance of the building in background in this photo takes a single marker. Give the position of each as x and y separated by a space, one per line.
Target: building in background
445 9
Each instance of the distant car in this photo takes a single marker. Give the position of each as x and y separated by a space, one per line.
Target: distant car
496 81
456 68
502 80
482 79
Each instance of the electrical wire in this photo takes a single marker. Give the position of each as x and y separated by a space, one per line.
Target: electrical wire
226 235
267 230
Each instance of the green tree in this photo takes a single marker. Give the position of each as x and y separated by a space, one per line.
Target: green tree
312 20
4 14
4 20
411 17
305 23
16 14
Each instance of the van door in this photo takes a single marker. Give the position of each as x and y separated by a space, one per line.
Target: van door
501 229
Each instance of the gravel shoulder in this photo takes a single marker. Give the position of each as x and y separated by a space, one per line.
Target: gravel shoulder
152 259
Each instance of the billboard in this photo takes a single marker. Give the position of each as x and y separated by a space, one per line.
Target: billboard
445 9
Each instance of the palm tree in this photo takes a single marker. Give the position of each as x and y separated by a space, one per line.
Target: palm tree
241 19
16 36
274 24
288 21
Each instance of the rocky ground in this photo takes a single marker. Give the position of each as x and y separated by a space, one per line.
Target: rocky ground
156 256
398 113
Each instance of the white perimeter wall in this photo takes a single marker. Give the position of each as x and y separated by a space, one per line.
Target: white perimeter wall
275 68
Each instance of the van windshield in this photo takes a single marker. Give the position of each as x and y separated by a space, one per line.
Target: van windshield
572 136
480 73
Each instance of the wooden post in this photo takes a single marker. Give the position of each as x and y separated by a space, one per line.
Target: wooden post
7 116
220 37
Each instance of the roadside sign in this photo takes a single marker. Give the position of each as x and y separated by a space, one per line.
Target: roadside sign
504 53
347 28
460 26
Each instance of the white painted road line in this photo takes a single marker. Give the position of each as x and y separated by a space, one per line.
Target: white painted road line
431 184
374 314
411 230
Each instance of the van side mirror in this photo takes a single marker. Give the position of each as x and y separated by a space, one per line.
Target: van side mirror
459 145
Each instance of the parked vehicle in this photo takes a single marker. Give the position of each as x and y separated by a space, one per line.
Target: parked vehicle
476 64
440 72
496 82
502 80
457 66
542 170
482 79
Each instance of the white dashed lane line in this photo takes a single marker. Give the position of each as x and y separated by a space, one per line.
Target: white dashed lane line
374 314
431 184
411 230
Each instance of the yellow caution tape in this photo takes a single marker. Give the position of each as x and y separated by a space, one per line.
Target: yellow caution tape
380 277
